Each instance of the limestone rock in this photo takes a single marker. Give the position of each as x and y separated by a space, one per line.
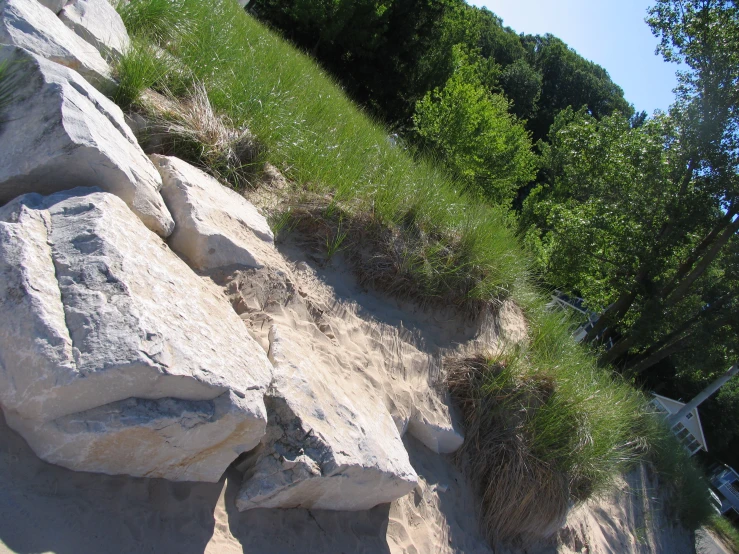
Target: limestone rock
214 226
31 25
114 356
97 22
325 448
63 133
179 440
431 422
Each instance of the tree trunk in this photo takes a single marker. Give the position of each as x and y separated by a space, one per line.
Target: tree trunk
695 255
619 349
651 359
613 313
682 289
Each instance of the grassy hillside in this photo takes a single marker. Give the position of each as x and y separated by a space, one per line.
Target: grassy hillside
584 425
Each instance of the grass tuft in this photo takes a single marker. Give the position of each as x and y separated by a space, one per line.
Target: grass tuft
161 21
544 427
141 67
725 531
189 127
9 77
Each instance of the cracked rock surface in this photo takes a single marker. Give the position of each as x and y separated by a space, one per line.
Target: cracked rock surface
114 356
325 448
63 133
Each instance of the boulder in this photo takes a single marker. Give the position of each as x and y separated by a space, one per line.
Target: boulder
33 26
97 22
170 438
214 226
63 133
114 356
329 445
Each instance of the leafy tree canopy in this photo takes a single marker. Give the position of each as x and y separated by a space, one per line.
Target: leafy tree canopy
472 130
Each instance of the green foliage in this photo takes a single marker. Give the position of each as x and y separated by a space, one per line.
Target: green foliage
140 67
373 46
474 134
690 498
569 80
523 84
159 20
641 217
724 529
609 196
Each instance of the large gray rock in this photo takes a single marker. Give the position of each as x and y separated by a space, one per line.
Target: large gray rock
97 22
114 356
63 133
214 226
327 446
30 25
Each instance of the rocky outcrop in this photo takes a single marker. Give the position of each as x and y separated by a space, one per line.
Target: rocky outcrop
114 356
31 25
214 226
97 22
323 449
64 134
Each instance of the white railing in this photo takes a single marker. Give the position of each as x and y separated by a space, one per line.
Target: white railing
731 494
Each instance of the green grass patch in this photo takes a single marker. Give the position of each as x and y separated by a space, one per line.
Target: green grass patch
141 67
545 426
9 83
725 531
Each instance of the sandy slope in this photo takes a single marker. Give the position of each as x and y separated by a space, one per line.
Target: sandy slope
632 518
375 346
45 508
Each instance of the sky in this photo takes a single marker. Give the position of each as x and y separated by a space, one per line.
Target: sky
612 33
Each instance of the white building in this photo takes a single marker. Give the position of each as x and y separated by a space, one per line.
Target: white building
688 431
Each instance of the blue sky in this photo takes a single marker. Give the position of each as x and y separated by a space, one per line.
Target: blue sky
612 33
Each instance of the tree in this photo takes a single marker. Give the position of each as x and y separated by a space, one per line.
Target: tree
643 220
569 80
522 84
628 225
472 130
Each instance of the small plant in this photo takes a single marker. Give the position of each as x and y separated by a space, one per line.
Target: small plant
725 531
192 130
333 244
689 498
141 67
281 222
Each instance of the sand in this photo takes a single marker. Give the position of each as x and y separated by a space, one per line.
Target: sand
632 518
